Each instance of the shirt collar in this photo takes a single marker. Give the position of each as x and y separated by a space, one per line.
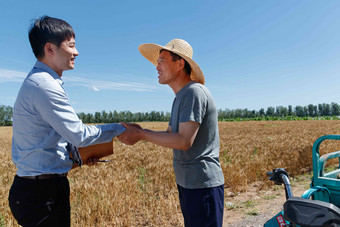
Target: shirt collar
184 88
42 66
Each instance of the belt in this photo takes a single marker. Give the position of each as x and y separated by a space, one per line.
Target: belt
44 176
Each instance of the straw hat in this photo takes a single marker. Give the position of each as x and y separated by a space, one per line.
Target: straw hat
178 46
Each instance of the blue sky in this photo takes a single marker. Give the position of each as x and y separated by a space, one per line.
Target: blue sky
253 53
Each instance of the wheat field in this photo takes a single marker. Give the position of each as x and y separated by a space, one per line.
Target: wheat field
137 188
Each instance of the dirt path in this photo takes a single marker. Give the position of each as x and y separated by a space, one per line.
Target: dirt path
254 208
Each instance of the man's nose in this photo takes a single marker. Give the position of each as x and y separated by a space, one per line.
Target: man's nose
76 53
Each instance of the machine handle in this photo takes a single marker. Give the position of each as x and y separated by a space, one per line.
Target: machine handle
316 167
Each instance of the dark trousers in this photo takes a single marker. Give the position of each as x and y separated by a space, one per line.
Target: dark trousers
202 207
36 202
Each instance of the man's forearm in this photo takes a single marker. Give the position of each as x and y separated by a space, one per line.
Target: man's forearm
166 139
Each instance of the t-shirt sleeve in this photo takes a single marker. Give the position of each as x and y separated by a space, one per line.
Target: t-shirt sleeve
193 106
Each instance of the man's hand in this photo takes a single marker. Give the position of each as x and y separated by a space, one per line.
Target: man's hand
91 161
132 124
131 134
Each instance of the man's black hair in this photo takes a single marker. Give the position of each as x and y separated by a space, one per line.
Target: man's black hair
176 57
48 29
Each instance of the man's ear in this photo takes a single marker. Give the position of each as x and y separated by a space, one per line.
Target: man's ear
181 63
49 49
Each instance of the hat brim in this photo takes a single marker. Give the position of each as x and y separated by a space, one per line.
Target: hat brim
151 52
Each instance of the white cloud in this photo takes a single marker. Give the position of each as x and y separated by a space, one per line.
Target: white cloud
94 88
11 76
10 98
95 85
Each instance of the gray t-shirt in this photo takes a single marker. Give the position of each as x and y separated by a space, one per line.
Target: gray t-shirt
198 167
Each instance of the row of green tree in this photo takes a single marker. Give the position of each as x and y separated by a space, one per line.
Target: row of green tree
6 113
320 111
123 116
311 111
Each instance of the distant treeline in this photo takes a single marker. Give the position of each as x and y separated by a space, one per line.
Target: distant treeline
123 116
6 113
320 111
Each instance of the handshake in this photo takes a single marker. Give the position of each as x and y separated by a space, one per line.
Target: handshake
132 134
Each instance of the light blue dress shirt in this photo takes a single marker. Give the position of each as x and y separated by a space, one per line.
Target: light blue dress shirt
44 121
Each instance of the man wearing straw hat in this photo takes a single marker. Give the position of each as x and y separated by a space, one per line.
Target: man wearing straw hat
192 133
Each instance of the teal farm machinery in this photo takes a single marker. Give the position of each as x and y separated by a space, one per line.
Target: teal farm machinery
320 204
